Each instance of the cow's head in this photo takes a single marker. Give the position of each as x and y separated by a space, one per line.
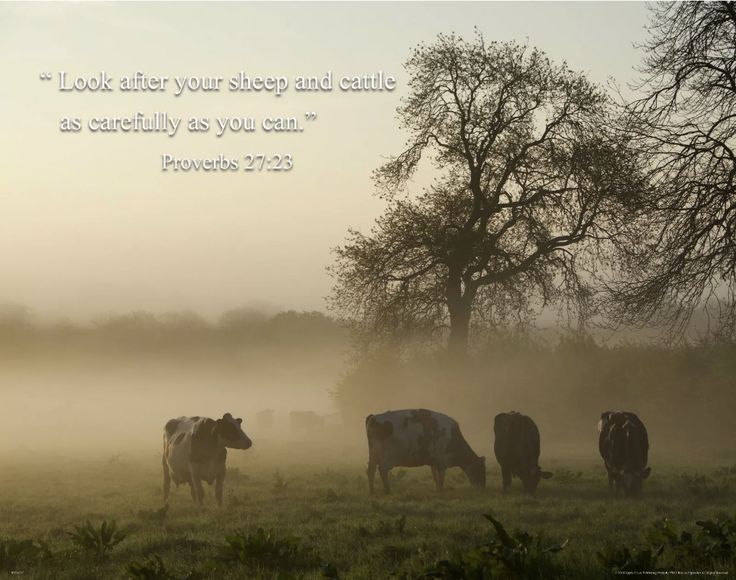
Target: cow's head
476 472
230 431
530 480
632 481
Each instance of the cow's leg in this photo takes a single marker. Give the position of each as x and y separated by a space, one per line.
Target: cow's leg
167 479
196 485
219 484
434 476
383 472
372 466
506 476
440 477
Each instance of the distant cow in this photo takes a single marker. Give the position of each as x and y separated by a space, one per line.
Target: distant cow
415 437
624 446
195 451
516 447
305 421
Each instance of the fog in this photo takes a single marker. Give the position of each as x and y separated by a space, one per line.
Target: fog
106 389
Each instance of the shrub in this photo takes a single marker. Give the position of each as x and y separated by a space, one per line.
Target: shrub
154 569
519 555
625 559
13 553
264 549
714 541
98 541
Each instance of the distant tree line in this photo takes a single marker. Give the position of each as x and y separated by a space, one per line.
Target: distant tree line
142 331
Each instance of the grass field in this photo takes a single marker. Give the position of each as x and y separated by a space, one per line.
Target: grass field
324 502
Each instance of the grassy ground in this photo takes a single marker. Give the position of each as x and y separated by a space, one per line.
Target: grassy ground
324 502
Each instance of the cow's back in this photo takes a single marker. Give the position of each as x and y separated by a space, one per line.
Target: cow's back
409 437
178 446
623 440
516 440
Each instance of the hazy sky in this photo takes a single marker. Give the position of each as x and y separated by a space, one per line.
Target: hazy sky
89 224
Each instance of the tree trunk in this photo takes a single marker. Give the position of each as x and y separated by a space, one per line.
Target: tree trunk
459 331
459 305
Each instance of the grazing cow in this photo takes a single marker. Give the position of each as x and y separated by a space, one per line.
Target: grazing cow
624 445
516 447
195 450
415 437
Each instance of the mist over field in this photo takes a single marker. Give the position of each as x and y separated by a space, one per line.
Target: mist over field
107 387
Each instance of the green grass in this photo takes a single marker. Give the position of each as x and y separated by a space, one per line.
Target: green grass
319 512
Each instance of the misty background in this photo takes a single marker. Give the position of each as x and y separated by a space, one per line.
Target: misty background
132 296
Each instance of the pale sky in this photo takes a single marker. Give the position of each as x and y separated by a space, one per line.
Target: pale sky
89 224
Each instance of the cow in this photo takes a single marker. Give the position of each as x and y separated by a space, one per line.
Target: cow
416 437
624 445
195 449
516 446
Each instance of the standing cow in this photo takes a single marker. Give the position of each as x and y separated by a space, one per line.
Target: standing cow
415 437
624 445
516 447
195 451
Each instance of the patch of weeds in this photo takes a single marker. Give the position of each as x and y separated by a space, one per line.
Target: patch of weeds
156 516
330 495
702 486
98 541
519 555
279 485
265 549
713 541
154 569
14 553
329 571
234 500
567 475
234 475
725 471
396 554
384 528
617 559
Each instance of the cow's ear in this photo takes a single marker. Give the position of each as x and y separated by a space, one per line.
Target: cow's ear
646 472
239 420
546 474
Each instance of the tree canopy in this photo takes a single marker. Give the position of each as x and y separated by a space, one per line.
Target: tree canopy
532 185
685 125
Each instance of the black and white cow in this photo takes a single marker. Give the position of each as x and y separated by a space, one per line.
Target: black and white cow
195 451
516 447
415 437
624 445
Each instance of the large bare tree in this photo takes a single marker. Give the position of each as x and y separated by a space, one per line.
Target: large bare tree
530 186
686 126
